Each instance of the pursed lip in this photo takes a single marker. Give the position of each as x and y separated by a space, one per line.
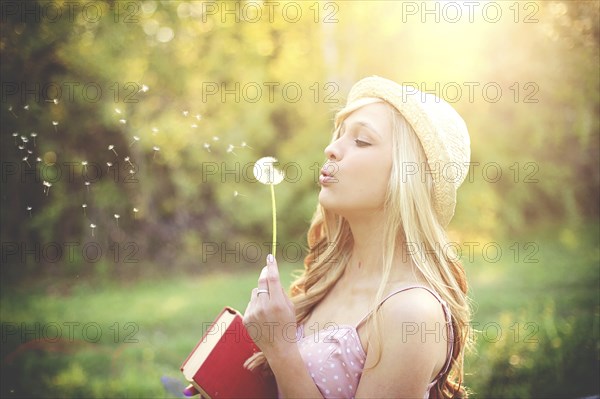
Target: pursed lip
326 176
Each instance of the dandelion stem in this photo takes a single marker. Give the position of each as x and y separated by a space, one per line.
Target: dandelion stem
274 246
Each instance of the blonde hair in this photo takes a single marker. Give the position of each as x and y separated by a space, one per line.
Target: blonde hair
410 221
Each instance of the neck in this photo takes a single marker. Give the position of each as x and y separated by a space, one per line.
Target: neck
366 262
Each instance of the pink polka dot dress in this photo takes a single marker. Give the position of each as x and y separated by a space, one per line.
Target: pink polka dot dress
335 357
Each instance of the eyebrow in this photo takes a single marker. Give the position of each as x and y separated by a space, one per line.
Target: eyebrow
363 124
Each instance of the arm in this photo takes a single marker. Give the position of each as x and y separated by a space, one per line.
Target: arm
293 379
270 314
414 348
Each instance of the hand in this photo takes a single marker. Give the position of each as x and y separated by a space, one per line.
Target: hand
270 316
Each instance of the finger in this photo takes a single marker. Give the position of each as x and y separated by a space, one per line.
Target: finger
190 390
263 284
273 276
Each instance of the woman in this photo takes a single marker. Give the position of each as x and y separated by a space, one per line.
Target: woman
381 307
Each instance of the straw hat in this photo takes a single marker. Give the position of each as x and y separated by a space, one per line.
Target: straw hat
441 130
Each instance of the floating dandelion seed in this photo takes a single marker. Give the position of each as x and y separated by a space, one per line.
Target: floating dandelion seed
29 210
93 226
84 166
55 101
193 126
10 109
109 164
112 148
237 194
55 123
131 172
185 113
24 139
117 216
206 146
29 152
198 117
230 149
26 107
135 140
38 159
123 121
47 185
87 184
118 111
84 206
266 173
155 149
135 211
126 159
245 145
215 138
25 160
33 136
154 131
15 135
144 89
21 147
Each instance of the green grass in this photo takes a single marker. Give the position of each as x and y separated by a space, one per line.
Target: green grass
547 313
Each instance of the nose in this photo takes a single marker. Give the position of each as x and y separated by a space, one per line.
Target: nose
332 152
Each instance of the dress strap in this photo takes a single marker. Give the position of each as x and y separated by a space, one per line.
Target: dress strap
446 314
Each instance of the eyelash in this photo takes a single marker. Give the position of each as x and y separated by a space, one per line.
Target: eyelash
361 143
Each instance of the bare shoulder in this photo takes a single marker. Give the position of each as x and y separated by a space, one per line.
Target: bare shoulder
413 305
413 346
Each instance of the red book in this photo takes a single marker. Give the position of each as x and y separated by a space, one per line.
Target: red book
216 365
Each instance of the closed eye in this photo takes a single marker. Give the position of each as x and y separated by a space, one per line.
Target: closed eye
361 143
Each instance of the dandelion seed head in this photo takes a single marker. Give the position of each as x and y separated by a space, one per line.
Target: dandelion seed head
144 88
156 148
215 138
24 139
118 111
136 138
21 147
123 121
15 134
55 123
193 126
84 205
185 113
206 145
198 117
84 163
116 215
126 159
131 171
109 164
135 210
92 225
29 152
265 172
110 147
87 183
230 148
26 107
55 101
38 159
33 134
29 208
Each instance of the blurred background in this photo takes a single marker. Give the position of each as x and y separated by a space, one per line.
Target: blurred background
130 215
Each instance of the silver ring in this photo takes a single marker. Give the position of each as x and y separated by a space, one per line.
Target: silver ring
262 291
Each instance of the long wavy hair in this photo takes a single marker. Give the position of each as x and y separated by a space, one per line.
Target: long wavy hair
410 222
